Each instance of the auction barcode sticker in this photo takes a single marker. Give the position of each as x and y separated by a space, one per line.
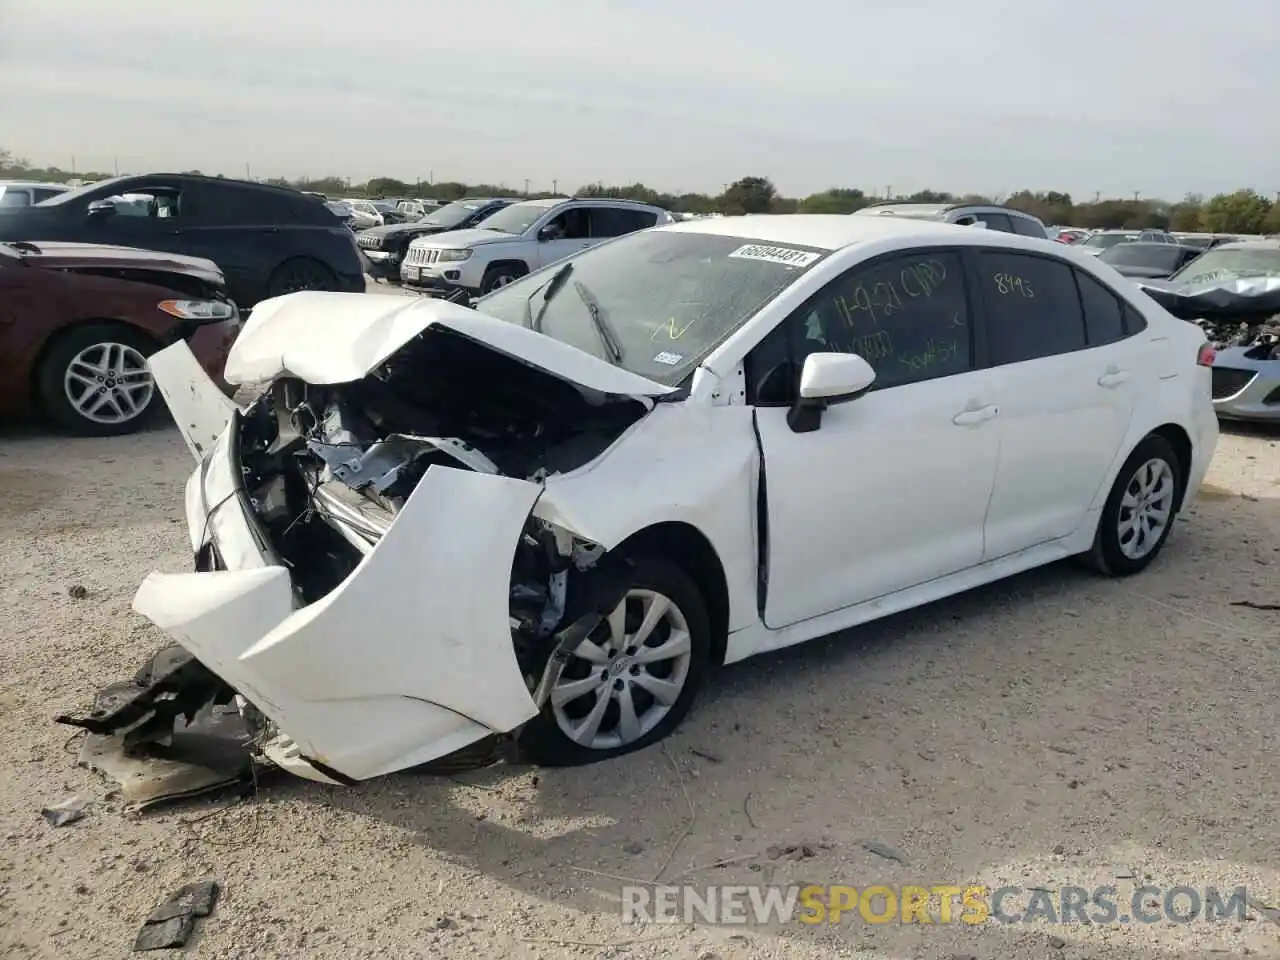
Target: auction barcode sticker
787 256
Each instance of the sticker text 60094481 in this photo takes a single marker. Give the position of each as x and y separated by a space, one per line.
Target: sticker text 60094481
787 256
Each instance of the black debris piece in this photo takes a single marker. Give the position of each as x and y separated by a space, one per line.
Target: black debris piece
171 924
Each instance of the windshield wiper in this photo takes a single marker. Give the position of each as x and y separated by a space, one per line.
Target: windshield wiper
552 287
607 334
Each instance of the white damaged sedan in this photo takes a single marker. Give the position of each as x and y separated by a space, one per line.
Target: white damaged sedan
545 519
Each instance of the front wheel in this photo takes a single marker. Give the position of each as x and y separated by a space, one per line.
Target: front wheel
1139 511
500 276
633 679
94 381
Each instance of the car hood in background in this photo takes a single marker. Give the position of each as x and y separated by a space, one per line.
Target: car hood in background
404 229
58 255
472 238
1243 298
326 338
1139 272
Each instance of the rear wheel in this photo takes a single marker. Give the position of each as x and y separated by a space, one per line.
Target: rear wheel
1139 511
300 273
633 679
94 381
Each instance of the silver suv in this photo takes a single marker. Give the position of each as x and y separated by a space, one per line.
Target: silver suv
519 239
993 217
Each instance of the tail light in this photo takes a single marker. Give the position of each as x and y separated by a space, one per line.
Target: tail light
1204 358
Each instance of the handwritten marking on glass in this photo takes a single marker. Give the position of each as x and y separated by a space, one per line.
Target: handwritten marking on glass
1010 285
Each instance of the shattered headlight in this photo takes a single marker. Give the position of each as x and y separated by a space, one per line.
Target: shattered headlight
453 256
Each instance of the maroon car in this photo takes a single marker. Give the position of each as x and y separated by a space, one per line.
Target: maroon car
77 322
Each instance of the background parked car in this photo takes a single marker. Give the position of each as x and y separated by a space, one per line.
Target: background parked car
1151 261
1101 240
1003 219
26 193
267 240
1205 241
343 212
519 239
386 246
366 214
77 322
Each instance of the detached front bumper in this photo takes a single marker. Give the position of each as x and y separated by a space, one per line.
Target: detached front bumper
408 659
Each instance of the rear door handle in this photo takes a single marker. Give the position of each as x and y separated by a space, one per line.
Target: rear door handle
1113 378
968 418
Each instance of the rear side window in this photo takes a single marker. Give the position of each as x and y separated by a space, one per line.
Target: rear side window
1032 307
1103 312
1028 228
615 221
14 198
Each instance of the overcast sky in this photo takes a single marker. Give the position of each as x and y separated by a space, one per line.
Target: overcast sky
962 95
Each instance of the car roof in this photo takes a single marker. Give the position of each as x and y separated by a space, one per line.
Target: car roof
893 207
34 183
1250 245
834 231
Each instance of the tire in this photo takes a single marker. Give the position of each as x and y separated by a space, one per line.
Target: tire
500 275
1118 553
300 273
544 739
78 384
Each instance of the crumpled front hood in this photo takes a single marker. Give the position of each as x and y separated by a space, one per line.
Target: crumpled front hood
470 238
327 338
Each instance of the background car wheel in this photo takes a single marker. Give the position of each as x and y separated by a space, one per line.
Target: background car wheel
300 273
633 679
500 276
94 381
1139 511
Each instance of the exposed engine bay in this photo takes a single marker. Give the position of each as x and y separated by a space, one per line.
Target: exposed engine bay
326 470
1262 338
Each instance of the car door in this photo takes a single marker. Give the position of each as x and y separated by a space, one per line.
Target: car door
565 233
891 490
1066 401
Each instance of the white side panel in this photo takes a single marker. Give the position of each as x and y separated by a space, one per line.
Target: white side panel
199 408
407 660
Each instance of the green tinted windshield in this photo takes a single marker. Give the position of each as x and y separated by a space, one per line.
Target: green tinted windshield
667 297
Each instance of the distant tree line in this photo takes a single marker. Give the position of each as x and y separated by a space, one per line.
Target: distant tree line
1244 211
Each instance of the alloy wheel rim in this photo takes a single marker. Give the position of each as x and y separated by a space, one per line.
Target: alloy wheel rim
625 678
108 383
1145 509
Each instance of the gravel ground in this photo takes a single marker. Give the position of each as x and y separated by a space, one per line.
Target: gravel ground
1056 728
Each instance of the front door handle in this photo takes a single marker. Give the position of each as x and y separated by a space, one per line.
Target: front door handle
1113 378
968 418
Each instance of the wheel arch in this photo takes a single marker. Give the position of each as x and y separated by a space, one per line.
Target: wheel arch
687 546
516 262
57 336
1178 438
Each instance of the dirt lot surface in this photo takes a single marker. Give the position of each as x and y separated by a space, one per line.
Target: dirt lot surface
1054 729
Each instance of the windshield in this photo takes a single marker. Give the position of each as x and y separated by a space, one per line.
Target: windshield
1161 256
453 214
516 218
1227 264
664 299
71 196
1108 240
338 207
383 207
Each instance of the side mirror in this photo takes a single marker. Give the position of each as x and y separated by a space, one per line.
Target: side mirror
828 378
101 208
550 232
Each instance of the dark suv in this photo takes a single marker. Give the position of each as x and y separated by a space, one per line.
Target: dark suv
385 246
267 240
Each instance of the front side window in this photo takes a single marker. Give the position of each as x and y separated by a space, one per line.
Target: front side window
573 224
907 316
1031 304
995 221
158 204
665 299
